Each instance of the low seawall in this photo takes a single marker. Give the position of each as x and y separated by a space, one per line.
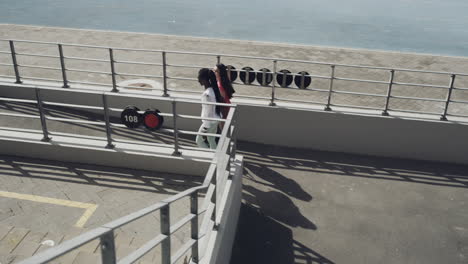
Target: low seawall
395 137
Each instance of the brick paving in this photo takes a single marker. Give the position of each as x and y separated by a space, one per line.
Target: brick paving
26 226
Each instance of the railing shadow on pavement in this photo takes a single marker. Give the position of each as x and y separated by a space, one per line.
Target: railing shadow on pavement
118 178
261 239
265 161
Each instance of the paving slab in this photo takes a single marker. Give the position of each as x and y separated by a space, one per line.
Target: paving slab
12 240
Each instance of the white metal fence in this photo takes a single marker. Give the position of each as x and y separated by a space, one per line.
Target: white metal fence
331 85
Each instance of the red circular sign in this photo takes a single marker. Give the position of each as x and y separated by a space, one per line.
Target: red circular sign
151 121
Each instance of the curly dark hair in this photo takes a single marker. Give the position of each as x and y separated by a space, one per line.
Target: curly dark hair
225 82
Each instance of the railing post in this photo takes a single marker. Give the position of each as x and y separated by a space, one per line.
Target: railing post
229 150
15 63
108 248
218 59
443 117
332 77
164 65
229 73
165 230
389 91
233 142
114 83
176 133
285 75
62 64
302 80
263 76
106 118
42 116
194 225
273 85
214 199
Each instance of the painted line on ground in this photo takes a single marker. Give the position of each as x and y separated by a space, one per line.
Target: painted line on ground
90 208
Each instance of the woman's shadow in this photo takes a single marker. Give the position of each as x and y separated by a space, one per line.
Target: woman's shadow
276 204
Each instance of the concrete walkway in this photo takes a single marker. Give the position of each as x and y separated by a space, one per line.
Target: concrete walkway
299 207
304 206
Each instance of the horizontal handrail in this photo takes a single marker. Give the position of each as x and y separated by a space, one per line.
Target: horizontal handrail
183 91
85 59
87 71
18 100
72 105
459 101
421 85
174 228
19 115
37 55
40 79
356 106
138 63
358 93
240 56
137 75
59 250
139 253
418 98
187 66
78 121
139 88
359 80
38 67
90 83
180 253
299 101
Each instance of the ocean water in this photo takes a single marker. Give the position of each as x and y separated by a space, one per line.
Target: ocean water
423 26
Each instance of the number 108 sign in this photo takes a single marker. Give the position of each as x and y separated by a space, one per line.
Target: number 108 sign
130 117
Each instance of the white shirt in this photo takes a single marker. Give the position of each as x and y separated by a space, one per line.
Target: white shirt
209 110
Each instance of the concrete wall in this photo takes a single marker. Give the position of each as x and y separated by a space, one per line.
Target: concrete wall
314 129
223 238
27 144
352 133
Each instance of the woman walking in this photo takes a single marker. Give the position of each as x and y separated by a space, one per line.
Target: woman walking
223 81
208 111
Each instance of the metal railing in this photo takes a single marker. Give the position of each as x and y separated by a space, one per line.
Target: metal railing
278 78
220 170
107 124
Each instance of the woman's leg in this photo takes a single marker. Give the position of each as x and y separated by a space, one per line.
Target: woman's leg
212 140
201 139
